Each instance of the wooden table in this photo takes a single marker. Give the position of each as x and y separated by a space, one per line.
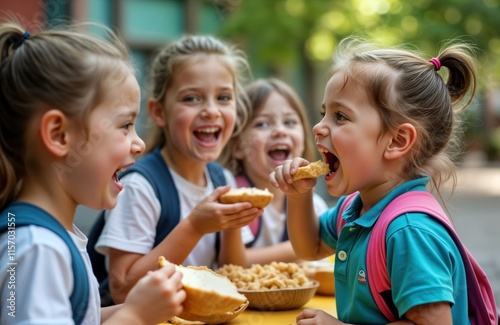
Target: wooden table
256 317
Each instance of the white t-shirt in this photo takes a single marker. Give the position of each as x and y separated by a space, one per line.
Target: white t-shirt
42 280
273 225
131 225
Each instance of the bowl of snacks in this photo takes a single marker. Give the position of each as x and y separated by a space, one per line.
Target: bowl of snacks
322 271
275 286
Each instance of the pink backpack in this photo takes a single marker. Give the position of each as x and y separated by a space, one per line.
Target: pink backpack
482 306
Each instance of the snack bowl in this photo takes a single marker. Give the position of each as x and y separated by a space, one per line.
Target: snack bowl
280 299
188 318
321 271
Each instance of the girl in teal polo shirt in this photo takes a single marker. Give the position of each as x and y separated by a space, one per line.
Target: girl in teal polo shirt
388 120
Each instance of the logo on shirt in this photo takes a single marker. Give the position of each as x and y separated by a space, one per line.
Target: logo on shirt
362 276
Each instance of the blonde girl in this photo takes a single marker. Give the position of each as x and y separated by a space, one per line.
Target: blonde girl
278 129
389 120
196 105
68 104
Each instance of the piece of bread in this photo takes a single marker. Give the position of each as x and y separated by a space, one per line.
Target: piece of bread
207 293
312 170
259 198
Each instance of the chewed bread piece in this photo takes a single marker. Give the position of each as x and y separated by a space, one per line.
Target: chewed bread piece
312 170
259 198
207 292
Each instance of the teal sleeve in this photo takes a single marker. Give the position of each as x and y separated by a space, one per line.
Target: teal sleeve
423 263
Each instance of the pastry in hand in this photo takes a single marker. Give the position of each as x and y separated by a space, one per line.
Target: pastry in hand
207 293
312 170
259 198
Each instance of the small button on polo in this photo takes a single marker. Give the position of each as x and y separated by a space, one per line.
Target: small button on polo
342 255
352 228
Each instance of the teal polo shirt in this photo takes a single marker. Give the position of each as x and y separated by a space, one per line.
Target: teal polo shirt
423 262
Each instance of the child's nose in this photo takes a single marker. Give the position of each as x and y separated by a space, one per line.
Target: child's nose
320 129
138 145
279 129
210 110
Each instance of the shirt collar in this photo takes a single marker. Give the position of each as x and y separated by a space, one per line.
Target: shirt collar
371 216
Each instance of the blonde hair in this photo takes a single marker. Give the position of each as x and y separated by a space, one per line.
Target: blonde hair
176 54
258 92
59 68
405 87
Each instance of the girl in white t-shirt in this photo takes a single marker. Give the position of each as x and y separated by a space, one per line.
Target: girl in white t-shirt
278 129
197 105
68 104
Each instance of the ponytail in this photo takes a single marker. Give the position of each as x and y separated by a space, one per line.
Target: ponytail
11 39
461 72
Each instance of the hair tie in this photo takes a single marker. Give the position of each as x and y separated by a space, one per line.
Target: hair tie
21 40
436 62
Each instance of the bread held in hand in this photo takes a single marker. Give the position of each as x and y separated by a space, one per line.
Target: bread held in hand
313 170
257 197
207 293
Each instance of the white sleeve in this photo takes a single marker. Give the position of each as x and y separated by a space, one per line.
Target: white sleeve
40 282
131 225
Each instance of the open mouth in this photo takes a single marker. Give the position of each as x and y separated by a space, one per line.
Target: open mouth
279 153
208 134
332 161
116 179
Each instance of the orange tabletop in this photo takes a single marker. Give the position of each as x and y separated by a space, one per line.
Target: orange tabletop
256 317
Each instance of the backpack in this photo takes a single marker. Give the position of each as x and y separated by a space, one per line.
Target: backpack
21 214
157 173
482 306
256 224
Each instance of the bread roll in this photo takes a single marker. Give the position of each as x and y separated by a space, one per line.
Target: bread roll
259 198
312 170
207 293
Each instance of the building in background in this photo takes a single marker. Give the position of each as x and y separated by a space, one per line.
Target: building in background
146 25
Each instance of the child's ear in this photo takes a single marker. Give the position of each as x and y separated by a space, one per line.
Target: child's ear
54 132
155 111
401 142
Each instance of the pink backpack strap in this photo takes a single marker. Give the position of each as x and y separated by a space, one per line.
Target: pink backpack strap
242 181
482 306
345 204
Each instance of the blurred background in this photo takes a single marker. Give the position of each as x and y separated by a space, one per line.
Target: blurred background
294 40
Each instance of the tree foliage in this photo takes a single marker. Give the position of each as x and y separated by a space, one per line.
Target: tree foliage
278 32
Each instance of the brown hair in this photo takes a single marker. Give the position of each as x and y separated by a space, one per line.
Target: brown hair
176 54
59 68
257 93
405 87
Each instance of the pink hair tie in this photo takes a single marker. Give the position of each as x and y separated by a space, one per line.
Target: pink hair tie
436 62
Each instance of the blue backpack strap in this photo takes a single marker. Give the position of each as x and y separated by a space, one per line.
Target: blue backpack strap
216 174
157 173
218 179
25 215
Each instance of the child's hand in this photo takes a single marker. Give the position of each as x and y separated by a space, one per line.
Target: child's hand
157 297
282 178
211 216
316 317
